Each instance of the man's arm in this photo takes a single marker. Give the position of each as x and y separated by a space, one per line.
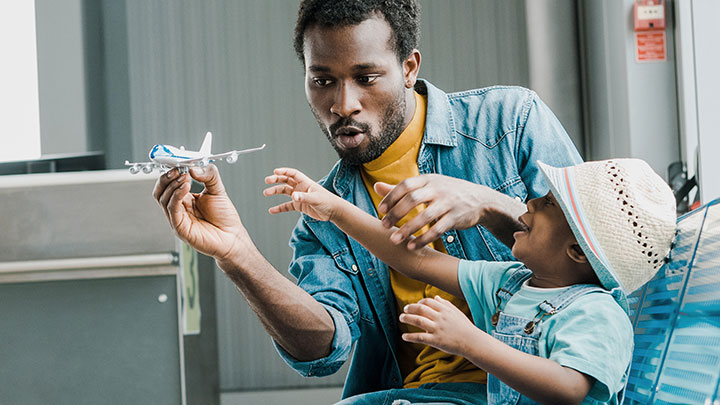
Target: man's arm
210 224
427 265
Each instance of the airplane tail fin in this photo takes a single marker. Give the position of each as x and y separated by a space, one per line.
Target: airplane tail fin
206 145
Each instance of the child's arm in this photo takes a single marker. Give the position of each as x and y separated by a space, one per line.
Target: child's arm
425 264
449 330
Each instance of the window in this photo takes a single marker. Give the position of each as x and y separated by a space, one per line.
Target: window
19 106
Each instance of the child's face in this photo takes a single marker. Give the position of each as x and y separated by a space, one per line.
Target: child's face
547 236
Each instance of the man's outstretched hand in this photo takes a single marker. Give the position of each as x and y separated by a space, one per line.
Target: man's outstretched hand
450 203
207 221
306 195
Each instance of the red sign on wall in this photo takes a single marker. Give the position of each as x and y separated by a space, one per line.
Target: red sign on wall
650 46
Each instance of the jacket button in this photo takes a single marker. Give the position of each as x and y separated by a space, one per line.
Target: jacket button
354 267
371 271
450 239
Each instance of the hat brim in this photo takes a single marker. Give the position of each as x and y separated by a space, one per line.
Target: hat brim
562 185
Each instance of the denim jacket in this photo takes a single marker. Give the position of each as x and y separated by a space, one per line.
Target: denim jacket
491 136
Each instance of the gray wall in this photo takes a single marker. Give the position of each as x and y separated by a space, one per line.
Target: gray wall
630 107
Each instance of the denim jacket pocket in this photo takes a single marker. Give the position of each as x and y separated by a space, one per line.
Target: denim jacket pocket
344 261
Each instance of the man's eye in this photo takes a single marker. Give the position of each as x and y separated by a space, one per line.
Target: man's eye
320 82
549 201
367 79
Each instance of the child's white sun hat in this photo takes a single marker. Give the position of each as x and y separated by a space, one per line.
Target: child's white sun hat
623 216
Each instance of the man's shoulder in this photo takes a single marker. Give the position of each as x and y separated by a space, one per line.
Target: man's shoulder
498 93
488 114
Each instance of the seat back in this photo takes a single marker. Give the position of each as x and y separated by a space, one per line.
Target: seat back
676 317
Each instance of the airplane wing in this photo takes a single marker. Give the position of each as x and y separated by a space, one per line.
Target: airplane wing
146 167
231 156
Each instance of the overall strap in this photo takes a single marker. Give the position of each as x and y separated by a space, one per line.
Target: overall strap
512 285
561 301
506 291
565 298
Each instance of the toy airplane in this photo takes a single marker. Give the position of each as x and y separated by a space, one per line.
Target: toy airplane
166 157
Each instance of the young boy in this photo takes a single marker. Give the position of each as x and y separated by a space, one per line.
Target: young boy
553 327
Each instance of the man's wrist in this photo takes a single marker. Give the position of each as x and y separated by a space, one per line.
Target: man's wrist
239 257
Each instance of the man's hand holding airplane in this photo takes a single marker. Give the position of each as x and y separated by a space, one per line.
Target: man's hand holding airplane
207 221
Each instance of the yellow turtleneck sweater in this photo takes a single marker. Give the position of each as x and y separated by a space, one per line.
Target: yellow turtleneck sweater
419 364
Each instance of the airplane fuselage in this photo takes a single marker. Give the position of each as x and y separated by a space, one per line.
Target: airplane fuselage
169 155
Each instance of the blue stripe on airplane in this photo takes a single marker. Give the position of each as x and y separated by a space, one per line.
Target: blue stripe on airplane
167 151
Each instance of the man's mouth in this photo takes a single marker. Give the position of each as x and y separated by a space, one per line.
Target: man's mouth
349 137
347 131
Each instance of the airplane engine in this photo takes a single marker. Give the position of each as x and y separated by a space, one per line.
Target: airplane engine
147 169
232 158
203 163
134 169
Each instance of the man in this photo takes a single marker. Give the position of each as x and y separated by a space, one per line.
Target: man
361 67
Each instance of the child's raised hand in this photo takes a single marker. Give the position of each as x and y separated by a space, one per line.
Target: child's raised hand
307 196
446 327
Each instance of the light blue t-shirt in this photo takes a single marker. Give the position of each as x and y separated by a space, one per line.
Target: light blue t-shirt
593 335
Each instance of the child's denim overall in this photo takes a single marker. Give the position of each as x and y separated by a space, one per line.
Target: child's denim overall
522 333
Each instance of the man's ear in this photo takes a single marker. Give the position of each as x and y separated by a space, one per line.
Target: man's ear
576 254
411 68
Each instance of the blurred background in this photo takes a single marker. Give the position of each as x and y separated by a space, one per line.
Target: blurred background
93 83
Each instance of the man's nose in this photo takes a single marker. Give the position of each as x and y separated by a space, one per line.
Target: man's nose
346 102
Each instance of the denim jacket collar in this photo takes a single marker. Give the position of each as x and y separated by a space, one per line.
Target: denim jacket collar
439 121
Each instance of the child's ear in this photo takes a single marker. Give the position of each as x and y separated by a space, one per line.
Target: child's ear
576 254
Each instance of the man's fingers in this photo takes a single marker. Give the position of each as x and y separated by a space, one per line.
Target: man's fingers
210 176
399 192
162 183
170 189
382 188
176 209
425 217
405 205
435 232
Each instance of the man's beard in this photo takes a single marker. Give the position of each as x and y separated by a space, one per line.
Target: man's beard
391 126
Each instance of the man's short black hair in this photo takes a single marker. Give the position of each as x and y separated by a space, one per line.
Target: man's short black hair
402 15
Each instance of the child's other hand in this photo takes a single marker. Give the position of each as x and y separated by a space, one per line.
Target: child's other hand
446 327
307 196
